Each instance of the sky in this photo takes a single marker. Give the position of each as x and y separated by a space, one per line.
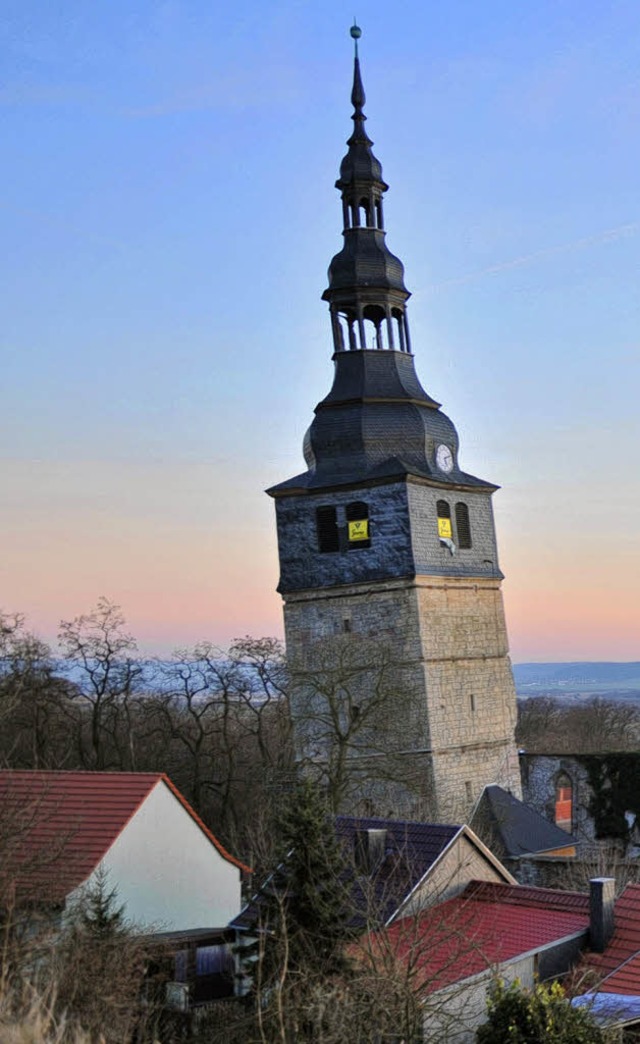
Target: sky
167 218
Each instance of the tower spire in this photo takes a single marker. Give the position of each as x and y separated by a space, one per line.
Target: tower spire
366 293
358 97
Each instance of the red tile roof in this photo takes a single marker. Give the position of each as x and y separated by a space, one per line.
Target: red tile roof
57 826
625 979
622 955
487 925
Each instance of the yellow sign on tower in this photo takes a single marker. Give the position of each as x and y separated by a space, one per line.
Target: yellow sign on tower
444 528
359 530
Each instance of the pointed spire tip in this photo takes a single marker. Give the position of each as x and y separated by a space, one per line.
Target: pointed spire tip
355 32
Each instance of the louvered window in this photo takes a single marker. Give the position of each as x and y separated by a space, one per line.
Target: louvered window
358 532
327 529
443 510
463 526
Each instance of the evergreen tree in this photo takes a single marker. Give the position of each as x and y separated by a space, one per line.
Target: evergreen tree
305 918
98 913
309 902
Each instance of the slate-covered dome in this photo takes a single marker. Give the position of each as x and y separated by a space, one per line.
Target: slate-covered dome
360 164
365 262
377 421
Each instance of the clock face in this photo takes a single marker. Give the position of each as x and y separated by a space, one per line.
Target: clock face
444 458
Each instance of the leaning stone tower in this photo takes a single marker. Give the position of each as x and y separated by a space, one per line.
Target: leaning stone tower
394 620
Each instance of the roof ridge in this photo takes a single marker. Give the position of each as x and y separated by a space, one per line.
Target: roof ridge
523 895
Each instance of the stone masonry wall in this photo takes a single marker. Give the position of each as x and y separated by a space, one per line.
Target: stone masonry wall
453 690
471 701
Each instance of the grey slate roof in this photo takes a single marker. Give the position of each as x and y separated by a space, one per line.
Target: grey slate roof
511 829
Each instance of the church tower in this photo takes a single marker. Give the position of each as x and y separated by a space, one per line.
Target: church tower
394 621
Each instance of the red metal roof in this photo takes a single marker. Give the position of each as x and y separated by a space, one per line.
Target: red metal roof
57 826
624 944
487 925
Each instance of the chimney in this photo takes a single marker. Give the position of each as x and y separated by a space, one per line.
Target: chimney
370 848
601 921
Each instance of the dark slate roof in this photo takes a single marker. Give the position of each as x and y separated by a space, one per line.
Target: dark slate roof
511 829
410 850
377 423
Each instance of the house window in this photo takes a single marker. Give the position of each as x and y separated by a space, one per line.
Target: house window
564 803
443 511
358 533
327 529
462 525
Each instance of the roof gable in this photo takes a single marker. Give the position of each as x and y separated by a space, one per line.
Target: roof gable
66 822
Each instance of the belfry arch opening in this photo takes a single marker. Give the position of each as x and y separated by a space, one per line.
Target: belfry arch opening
362 213
374 328
376 334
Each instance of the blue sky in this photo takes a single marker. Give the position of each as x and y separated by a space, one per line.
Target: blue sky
168 216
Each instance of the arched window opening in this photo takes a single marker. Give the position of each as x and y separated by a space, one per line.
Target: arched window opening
364 208
327 529
376 333
397 315
340 331
346 217
463 526
564 802
344 332
358 532
443 511
379 213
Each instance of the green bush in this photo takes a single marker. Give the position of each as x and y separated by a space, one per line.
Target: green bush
543 1014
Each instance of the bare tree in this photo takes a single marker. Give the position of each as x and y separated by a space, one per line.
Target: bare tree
106 671
357 715
591 726
225 717
34 700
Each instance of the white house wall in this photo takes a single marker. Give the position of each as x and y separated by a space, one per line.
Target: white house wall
166 871
453 1015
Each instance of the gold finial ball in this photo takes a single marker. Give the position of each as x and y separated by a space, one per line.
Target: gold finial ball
356 31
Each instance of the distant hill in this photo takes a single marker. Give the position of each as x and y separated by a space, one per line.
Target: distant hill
571 678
